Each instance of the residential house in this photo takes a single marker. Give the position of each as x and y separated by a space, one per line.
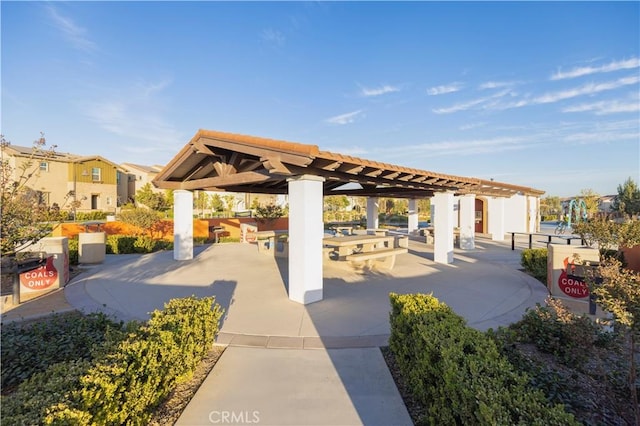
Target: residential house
138 176
62 178
605 202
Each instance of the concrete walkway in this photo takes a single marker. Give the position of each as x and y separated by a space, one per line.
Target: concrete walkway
288 363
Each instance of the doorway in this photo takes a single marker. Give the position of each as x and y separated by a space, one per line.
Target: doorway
479 216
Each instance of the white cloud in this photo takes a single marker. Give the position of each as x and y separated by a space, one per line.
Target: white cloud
605 107
273 37
588 70
441 90
77 35
463 147
587 89
496 84
364 91
463 106
347 118
601 137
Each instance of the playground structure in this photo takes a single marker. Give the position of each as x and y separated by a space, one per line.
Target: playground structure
577 213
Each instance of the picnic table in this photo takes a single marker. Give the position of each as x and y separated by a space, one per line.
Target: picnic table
364 248
267 241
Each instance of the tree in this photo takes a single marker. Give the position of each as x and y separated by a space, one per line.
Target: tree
336 202
24 217
628 199
216 203
269 213
591 200
424 208
143 219
230 202
550 206
151 199
201 202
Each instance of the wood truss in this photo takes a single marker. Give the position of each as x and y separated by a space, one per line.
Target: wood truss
217 161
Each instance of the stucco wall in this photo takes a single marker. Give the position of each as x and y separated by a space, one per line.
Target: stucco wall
515 214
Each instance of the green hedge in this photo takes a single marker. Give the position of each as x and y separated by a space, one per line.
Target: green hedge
534 261
31 348
457 373
73 251
92 215
127 378
120 244
127 244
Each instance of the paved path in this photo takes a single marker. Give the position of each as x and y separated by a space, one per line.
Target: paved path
288 363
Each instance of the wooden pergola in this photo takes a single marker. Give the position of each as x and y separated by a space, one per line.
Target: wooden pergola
217 161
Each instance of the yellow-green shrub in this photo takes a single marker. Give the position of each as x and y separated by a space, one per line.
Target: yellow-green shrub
457 372
127 378
124 387
534 261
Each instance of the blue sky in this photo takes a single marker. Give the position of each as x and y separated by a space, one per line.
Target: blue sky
540 94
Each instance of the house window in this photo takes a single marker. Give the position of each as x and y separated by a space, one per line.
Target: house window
96 174
44 166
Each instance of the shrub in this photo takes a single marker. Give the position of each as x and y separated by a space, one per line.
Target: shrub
534 261
92 215
120 244
144 244
141 218
556 330
73 251
457 373
123 387
46 392
229 240
31 348
200 240
127 378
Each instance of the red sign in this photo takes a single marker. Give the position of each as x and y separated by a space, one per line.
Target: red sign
40 278
572 286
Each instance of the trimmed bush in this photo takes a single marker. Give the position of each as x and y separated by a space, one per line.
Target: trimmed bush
90 216
534 261
73 251
145 244
128 244
127 378
120 244
31 348
125 386
457 373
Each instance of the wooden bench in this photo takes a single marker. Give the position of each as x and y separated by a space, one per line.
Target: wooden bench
387 254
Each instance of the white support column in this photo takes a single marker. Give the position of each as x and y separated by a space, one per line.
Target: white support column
182 225
467 222
412 224
496 218
533 214
442 209
372 213
305 239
